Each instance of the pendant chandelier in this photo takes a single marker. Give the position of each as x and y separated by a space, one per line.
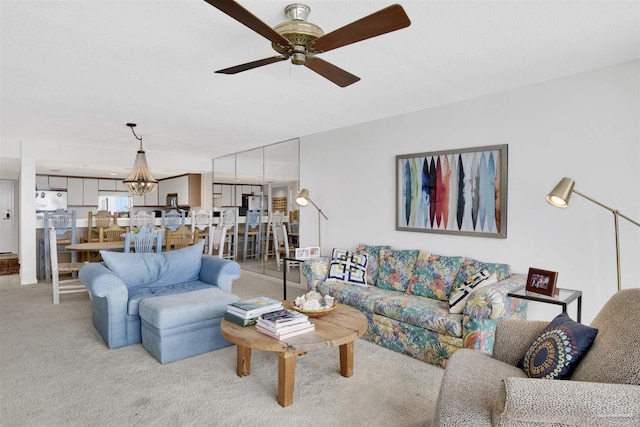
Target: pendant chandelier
140 180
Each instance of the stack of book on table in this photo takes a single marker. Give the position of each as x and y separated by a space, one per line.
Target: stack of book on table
284 324
246 312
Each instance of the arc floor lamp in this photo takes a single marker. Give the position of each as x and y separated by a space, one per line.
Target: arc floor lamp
560 196
303 200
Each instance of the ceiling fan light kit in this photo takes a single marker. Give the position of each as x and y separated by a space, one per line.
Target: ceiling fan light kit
302 40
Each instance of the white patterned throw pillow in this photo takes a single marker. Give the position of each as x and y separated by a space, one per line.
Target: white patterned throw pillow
348 267
459 297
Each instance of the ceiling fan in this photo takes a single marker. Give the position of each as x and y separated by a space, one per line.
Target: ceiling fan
301 40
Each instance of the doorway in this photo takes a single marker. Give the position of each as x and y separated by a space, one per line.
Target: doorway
6 219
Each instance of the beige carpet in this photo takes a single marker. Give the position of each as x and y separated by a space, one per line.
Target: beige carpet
55 370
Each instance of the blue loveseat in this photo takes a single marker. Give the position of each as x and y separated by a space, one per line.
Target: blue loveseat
119 283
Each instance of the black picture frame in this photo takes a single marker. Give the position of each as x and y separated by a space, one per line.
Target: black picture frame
542 281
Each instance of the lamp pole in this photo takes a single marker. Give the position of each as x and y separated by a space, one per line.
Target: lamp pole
616 214
319 221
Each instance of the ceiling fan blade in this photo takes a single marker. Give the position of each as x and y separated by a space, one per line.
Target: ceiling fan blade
248 19
251 65
329 71
384 21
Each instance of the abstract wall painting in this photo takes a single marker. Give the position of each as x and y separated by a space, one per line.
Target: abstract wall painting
460 192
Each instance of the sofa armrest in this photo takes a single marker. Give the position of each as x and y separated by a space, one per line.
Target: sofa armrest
493 302
109 296
513 338
555 402
316 271
219 272
488 304
102 282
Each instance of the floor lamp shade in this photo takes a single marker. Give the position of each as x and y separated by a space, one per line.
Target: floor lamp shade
560 196
561 193
302 198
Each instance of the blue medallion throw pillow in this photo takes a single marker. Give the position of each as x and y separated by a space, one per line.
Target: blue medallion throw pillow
348 267
558 349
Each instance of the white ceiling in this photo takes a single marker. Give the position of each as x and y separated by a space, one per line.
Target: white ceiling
74 72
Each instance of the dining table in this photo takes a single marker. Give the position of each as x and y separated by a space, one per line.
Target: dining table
96 246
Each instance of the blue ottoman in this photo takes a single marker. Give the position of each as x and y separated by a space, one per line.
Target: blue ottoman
183 325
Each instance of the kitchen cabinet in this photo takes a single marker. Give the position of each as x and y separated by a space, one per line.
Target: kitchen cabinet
58 182
42 182
138 200
187 187
75 191
90 192
238 196
107 184
151 199
227 196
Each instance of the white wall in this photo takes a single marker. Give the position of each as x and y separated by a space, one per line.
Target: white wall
584 126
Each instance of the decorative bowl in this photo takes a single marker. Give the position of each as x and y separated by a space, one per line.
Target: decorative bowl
314 313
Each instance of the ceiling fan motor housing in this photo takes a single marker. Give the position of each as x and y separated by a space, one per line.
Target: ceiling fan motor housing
298 31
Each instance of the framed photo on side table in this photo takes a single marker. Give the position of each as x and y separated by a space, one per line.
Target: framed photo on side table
542 281
302 253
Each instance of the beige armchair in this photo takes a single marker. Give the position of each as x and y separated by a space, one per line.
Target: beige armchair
482 390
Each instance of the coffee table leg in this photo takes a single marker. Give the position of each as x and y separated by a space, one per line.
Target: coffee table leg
346 359
286 377
243 361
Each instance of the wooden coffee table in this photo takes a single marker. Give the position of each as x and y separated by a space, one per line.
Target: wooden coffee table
340 328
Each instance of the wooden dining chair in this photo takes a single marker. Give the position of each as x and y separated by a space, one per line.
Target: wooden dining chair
64 224
229 219
217 237
97 223
112 234
203 222
180 238
141 219
251 239
66 286
173 220
281 245
144 241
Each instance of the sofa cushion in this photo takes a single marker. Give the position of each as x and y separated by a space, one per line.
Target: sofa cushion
426 313
373 261
471 266
138 293
362 298
396 268
558 349
348 267
433 275
459 297
156 269
172 311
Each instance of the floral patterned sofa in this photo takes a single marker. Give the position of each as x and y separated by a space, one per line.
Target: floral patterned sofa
406 294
